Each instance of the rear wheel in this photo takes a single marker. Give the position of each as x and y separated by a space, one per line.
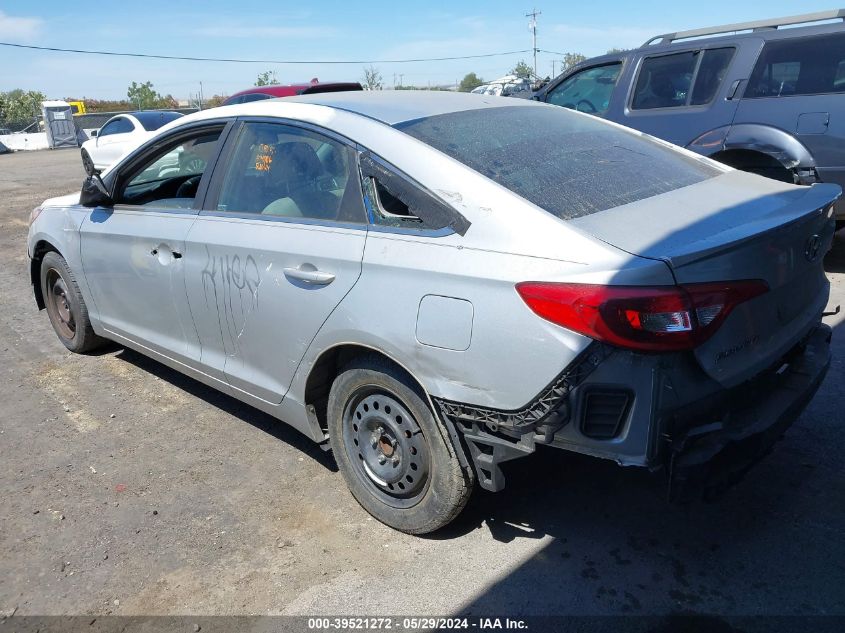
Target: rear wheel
394 455
65 306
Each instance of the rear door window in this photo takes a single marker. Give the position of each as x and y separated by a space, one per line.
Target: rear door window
803 66
681 79
279 170
588 90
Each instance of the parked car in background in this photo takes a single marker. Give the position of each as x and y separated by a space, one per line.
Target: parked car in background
507 86
756 96
259 93
383 273
120 134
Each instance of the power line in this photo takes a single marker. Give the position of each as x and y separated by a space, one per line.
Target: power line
258 61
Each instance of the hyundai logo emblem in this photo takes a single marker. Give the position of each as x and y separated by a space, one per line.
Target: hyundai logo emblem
811 249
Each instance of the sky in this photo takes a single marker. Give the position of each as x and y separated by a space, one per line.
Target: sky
324 30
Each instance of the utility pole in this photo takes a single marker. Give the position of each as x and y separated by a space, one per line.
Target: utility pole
553 69
533 26
201 96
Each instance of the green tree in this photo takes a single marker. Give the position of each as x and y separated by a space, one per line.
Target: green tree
522 70
613 51
571 59
19 108
470 82
372 79
143 96
267 78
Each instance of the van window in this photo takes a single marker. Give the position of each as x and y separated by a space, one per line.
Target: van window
588 90
804 66
667 81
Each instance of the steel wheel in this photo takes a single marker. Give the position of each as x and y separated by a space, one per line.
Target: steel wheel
386 446
58 304
65 305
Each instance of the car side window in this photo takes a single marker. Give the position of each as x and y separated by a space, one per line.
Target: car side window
387 209
588 90
279 170
394 200
170 177
802 66
116 126
666 81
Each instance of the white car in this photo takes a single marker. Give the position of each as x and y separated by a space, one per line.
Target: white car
120 134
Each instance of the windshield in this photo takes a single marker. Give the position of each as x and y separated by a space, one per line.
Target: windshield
569 164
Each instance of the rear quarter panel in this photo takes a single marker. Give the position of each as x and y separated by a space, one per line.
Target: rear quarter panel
512 353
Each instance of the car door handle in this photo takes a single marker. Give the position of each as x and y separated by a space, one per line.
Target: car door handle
309 275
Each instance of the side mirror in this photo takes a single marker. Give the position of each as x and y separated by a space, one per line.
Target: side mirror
94 193
94 133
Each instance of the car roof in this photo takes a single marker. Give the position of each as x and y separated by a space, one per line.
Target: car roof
287 90
398 106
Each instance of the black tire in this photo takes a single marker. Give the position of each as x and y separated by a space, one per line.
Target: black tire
65 306
87 163
420 486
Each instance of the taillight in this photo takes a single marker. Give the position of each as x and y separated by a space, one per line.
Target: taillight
647 318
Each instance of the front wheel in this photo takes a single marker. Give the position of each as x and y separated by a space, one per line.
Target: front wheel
65 306
394 455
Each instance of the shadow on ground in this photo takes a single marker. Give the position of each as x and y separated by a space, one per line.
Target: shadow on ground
228 404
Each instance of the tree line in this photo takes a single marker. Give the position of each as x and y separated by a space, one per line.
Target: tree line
19 108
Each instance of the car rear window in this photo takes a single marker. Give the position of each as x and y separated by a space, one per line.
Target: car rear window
154 120
569 164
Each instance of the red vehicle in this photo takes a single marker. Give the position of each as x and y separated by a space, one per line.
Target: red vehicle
258 93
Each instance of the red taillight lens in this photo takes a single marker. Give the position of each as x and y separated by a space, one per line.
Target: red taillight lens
656 319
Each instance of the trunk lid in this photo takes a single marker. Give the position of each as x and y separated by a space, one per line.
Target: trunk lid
733 227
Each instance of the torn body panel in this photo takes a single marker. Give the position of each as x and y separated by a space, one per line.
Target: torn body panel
671 416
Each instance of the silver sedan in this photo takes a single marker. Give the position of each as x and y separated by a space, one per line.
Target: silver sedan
434 284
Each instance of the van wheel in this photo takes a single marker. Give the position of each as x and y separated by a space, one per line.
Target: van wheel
65 306
394 455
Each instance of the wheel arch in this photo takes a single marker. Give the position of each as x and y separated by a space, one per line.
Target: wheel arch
328 366
754 139
41 248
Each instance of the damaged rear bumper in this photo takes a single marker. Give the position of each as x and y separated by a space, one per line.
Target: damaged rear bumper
671 416
707 459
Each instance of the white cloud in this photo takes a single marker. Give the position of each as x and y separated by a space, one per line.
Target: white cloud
19 30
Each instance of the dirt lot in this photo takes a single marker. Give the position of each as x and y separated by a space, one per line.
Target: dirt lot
128 489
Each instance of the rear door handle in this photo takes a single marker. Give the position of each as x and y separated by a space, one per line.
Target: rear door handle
309 275
733 90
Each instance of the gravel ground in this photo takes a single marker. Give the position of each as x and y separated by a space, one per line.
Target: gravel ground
128 489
